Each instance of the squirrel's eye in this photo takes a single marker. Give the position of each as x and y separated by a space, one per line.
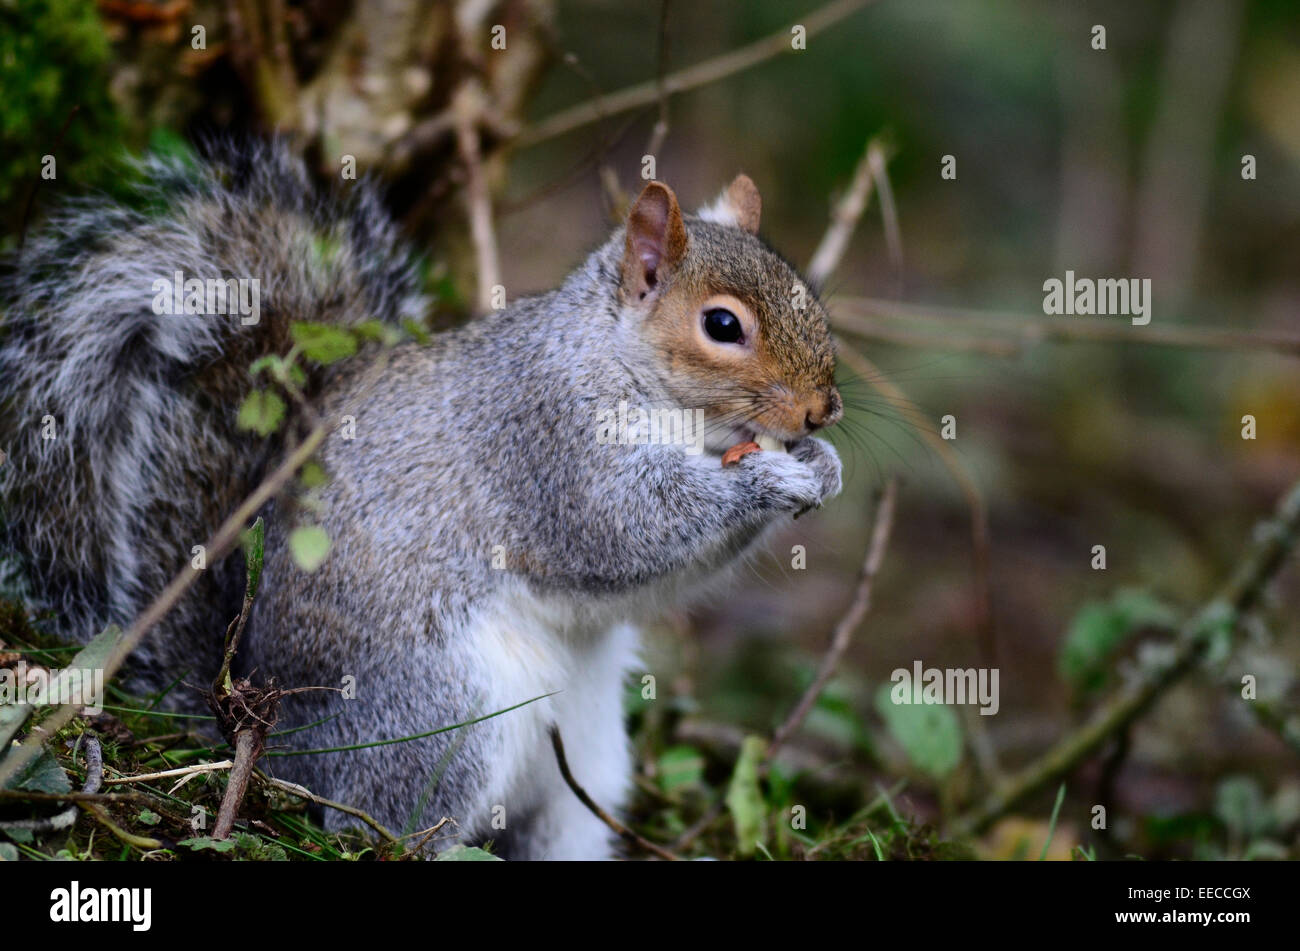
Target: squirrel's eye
722 325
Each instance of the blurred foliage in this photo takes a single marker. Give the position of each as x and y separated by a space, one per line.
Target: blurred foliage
54 58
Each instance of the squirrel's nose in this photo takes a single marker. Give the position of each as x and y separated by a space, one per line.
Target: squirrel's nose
826 410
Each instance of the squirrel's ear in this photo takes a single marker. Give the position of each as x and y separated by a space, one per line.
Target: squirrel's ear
739 205
656 240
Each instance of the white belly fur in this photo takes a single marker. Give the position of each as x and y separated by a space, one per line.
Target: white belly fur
535 648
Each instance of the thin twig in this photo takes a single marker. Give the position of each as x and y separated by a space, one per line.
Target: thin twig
872 375
303 792
660 131
620 830
878 161
848 623
692 77
866 328
1023 330
839 643
1272 541
138 841
844 220
170 773
425 837
478 198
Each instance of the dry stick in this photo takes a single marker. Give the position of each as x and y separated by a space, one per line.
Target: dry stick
692 77
974 500
866 329
620 830
877 160
848 623
220 543
94 777
304 793
1024 330
170 773
660 131
830 251
415 849
839 643
844 220
279 104
247 746
138 841
1273 541
467 106
249 740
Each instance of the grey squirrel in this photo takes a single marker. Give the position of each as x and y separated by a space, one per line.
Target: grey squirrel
487 547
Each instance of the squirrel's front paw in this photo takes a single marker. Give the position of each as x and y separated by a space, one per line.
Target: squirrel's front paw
821 457
780 482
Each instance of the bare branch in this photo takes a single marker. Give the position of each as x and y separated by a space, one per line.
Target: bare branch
619 829
878 160
844 220
848 623
302 792
660 131
1272 542
872 376
467 105
692 77
1022 330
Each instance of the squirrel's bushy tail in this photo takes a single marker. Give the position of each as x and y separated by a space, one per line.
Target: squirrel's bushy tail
119 422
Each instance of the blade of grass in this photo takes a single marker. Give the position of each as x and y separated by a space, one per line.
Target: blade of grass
1051 826
408 739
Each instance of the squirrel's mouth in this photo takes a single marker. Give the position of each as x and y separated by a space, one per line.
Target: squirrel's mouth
735 436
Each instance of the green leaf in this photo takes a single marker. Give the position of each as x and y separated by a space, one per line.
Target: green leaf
43 776
928 732
323 343
313 475
207 842
8 852
417 332
262 412
1100 628
680 767
745 797
387 334
149 818
310 545
466 853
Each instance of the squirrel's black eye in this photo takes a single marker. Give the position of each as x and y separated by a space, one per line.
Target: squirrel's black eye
722 325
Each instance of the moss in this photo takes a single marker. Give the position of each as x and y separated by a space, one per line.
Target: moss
54 58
